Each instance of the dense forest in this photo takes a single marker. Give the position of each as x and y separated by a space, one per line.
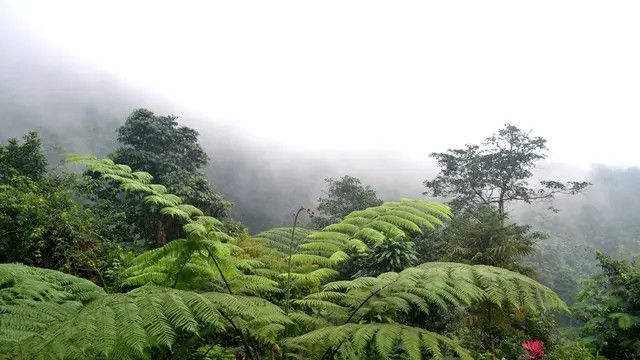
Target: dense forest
140 256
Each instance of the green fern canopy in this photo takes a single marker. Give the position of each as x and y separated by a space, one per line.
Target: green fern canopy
359 230
391 220
19 282
375 341
45 314
190 286
138 181
444 285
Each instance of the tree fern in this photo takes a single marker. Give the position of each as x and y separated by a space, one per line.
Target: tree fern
324 249
137 181
19 282
206 256
445 285
199 263
32 298
374 341
310 267
74 320
353 319
279 238
391 220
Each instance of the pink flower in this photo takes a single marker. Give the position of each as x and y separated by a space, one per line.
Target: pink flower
535 349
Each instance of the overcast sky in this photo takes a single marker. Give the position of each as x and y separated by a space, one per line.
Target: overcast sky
413 77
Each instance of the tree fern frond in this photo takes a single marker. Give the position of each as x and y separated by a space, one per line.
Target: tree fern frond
128 325
446 285
163 200
208 220
311 259
372 236
377 341
19 282
190 210
158 189
348 229
176 212
391 220
143 177
132 186
323 247
502 286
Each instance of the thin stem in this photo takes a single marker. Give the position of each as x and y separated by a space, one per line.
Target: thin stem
255 345
288 287
245 341
209 349
224 279
490 329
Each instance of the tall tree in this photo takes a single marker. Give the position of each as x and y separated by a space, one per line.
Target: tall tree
172 155
496 172
341 197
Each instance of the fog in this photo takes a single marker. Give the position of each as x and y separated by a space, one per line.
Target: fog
362 111
77 108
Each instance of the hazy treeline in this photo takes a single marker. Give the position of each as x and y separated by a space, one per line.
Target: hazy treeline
249 171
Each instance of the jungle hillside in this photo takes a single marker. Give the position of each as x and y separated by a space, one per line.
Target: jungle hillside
319 181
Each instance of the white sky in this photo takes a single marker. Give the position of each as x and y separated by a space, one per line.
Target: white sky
414 77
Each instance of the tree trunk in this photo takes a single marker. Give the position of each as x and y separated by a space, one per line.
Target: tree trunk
161 234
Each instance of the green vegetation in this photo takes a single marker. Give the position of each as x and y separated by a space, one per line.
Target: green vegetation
135 257
610 307
173 156
482 237
343 196
41 224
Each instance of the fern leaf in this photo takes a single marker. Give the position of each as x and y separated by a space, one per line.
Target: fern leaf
357 341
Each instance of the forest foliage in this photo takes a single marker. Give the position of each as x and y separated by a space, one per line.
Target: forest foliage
136 257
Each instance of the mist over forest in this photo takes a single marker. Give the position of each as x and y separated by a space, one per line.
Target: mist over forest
78 109
580 241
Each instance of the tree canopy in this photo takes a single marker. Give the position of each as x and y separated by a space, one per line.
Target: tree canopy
41 224
172 155
341 197
496 172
